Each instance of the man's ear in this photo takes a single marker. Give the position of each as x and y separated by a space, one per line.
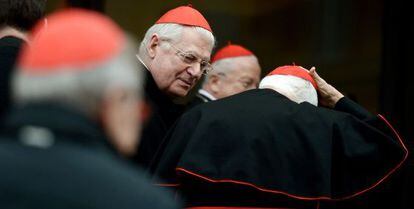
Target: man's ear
152 45
214 83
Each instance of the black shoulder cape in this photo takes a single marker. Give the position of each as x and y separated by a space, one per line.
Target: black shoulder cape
197 100
260 144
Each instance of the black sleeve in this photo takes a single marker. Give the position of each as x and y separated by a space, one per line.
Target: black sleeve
363 154
347 105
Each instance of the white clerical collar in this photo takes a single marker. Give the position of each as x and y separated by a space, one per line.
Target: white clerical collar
142 62
206 94
10 31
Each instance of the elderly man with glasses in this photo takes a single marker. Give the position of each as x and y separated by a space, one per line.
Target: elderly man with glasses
176 53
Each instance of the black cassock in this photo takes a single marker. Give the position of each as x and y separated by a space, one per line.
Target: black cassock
162 115
259 149
197 100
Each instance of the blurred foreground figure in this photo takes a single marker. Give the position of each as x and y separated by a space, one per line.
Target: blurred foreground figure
236 69
76 113
175 52
273 147
17 17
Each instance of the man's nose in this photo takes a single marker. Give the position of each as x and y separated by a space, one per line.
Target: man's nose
195 69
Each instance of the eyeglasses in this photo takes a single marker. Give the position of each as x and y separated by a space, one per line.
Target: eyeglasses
190 59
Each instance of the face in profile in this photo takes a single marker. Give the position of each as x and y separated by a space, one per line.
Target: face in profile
176 67
243 74
121 120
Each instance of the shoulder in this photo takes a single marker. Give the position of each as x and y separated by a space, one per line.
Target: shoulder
76 175
12 42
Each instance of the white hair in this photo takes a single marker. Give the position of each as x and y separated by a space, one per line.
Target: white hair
172 32
296 89
82 89
227 65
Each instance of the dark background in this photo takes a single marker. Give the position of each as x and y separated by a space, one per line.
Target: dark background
362 47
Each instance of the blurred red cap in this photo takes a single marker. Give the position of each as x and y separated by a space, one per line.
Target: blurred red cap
73 38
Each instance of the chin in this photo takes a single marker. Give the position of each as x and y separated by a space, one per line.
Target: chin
178 92
181 94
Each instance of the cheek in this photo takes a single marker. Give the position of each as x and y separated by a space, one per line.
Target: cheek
171 66
228 89
165 75
237 88
234 88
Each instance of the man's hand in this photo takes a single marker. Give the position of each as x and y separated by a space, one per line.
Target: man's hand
328 95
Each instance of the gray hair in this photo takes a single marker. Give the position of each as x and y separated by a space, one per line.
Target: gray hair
172 32
226 65
296 89
77 88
